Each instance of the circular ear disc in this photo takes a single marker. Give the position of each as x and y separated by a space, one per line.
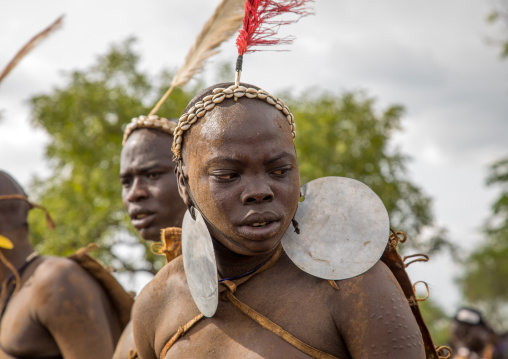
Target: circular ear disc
5 243
199 263
344 229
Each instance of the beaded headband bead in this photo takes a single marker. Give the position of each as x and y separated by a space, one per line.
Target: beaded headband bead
218 95
155 122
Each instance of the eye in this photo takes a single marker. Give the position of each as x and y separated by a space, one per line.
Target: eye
281 172
225 177
126 181
153 175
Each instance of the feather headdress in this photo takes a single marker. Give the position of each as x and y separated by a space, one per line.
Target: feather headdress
225 21
34 41
258 29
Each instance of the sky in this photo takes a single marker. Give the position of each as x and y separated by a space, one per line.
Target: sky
437 58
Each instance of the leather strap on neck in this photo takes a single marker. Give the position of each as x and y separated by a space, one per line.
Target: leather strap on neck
226 285
229 284
229 287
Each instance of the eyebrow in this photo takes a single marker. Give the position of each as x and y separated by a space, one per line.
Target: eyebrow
143 170
242 163
214 160
278 157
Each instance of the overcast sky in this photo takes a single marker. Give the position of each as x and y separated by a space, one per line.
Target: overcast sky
433 57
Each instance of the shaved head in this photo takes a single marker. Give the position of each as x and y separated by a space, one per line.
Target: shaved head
9 185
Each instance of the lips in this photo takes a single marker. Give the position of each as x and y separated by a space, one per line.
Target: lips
260 226
257 219
141 218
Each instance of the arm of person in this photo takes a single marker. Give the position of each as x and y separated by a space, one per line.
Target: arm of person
3 355
75 310
125 344
374 317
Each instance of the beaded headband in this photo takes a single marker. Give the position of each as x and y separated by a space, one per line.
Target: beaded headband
219 94
153 121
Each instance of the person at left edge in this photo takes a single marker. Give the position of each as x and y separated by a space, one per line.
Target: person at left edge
54 309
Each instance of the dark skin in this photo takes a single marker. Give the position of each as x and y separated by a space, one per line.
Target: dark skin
60 309
149 190
240 159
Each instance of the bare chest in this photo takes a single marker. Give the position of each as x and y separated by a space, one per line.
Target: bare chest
301 311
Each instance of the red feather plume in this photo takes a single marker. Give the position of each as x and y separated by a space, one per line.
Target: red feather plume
258 28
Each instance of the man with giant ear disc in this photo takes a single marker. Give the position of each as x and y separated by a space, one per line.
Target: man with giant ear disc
263 275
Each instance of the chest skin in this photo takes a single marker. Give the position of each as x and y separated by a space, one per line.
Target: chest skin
20 321
297 302
368 317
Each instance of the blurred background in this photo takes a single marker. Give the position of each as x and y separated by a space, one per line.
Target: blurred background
409 97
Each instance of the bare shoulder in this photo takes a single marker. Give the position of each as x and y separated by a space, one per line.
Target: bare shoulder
377 277
154 308
57 280
74 308
164 286
374 316
61 274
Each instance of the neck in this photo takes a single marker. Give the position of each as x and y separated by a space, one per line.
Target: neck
18 254
230 263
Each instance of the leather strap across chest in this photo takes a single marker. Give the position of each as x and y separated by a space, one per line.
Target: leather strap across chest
227 291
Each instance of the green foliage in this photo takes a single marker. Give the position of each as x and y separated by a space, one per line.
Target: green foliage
484 282
345 136
85 120
337 136
500 17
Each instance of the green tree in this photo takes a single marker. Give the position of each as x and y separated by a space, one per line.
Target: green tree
484 282
85 120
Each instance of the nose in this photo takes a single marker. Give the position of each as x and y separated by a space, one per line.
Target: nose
137 191
257 191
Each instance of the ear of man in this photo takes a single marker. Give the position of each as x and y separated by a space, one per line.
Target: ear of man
182 189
